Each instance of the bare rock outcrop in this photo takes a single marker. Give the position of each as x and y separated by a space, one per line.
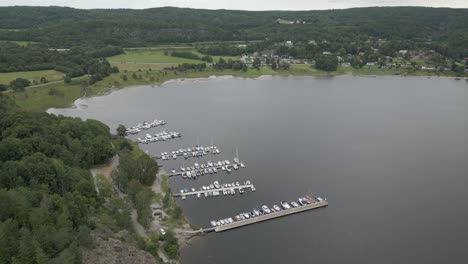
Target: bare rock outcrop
113 251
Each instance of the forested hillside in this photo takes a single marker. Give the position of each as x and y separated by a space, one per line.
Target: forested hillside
47 195
66 27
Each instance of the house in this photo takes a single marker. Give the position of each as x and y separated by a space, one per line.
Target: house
289 43
326 53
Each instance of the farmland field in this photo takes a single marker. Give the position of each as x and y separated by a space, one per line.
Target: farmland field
156 55
50 75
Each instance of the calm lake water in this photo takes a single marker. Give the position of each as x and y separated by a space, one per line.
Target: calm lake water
389 153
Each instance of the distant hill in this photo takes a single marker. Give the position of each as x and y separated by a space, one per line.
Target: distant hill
67 27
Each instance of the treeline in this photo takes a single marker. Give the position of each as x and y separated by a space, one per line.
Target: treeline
222 50
47 197
444 28
73 63
192 56
14 58
135 173
222 64
187 67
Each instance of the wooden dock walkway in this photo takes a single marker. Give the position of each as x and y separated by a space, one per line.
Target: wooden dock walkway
270 216
236 188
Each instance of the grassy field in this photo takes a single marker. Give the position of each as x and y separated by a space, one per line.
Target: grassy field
50 75
41 98
156 55
21 43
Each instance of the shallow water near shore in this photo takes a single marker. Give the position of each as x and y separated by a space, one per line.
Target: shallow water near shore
389 153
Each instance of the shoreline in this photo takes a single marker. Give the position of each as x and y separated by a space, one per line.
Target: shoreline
182 79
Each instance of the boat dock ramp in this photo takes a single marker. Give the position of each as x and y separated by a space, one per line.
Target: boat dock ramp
216 189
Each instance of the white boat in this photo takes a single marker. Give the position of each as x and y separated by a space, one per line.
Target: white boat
277 208
223 168
215 170
213 223
294 204
241 190
235 166
236 160
216 184
266 209
242 165
285 205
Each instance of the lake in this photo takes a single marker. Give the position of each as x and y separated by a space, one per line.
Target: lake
389 153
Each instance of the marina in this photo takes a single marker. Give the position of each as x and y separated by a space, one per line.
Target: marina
144 126
192 172
335 165
161 136
267 213
192 152
216 189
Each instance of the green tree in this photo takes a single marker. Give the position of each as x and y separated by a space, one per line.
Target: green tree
67 79
326 63
121 131
19 84
257 63
274 66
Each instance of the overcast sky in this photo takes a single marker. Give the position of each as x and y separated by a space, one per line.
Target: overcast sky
238 4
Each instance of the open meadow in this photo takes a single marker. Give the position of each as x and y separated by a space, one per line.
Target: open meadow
50 75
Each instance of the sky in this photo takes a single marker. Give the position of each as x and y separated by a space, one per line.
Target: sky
238 4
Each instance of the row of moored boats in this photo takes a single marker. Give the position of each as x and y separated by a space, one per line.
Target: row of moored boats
216 189
209 168
264 210
161 136
197 151
144 126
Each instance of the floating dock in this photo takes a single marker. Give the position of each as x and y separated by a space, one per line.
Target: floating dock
266 217
209 193
219 168
193 152
144 126
162 136
192 172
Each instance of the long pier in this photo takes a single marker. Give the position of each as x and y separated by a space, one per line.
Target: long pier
235 188
269 216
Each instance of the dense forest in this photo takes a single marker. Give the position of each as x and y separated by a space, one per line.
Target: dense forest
47 195
75 62
446 29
